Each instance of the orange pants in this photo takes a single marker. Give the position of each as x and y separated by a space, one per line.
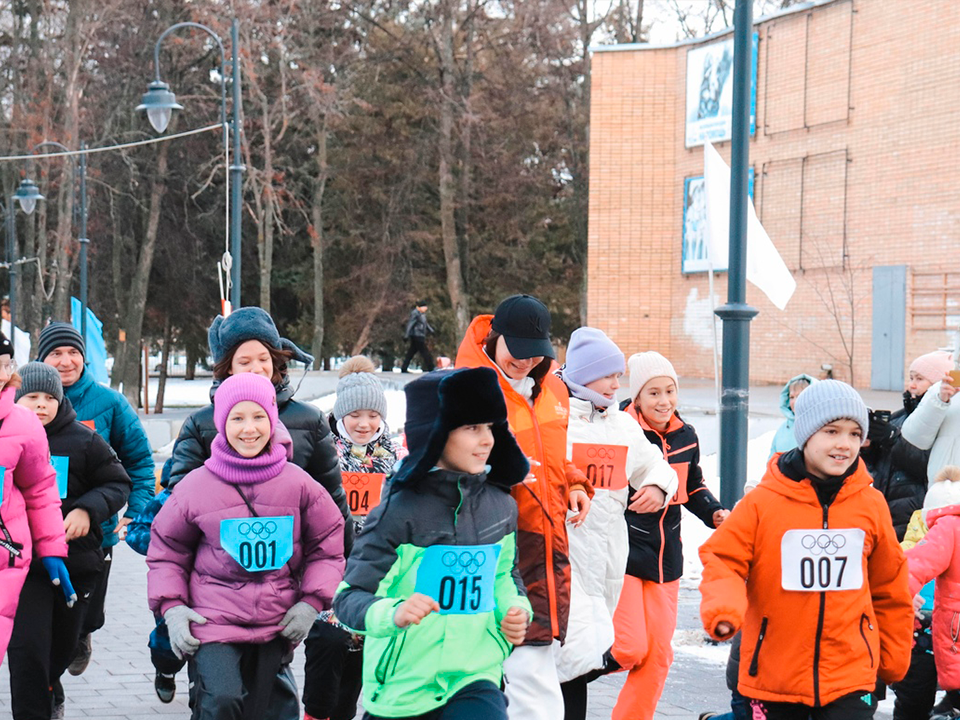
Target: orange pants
643 623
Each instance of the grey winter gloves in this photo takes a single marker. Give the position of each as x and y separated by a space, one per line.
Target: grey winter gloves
298 621
178 619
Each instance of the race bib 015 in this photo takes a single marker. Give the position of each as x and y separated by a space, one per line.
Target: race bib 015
822 560
258 544
61 465
459 577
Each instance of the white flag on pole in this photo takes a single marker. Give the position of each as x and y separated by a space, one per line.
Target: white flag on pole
765 267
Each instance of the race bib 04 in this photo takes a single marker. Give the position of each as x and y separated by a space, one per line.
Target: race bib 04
822 560
258 544
363 491
604 465
459 577
61 464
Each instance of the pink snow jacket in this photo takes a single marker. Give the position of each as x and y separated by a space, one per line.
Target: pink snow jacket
188 566
29 503
937 555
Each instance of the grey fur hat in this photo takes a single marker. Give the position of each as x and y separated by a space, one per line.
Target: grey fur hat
249 323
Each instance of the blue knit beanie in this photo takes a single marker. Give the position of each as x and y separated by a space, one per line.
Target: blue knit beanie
824 402
249 323
591 355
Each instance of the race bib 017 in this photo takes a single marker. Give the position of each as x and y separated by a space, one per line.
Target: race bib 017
822 560
459 577
604 465
61 464
363 491
258 544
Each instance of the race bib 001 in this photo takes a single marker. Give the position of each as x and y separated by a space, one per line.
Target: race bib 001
61 464
822 560
604 465
459 577
258 544
363 491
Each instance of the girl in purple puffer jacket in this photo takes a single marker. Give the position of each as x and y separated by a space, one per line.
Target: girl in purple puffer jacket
244 554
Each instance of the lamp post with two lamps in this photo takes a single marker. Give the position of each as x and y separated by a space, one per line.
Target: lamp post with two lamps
159 103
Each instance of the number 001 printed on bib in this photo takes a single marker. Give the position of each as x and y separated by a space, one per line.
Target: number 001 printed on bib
822 560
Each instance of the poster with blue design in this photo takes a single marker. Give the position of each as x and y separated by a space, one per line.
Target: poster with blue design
696 241
709 114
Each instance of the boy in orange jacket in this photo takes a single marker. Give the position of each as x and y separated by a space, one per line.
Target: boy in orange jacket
808 567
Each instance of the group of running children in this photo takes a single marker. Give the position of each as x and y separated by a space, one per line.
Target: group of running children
525 541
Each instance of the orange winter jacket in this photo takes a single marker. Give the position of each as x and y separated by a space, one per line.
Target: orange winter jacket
541 431
812 646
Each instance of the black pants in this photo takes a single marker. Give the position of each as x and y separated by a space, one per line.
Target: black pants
45 633
235 680
860 705
574 699
284 703
418 345
333 674
481 700
917 692
95 617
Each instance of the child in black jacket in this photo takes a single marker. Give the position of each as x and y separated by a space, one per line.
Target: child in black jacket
93 486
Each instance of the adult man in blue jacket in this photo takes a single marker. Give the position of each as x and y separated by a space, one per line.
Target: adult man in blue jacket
109 413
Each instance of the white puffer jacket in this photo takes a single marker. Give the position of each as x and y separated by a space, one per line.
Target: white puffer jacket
599 547
935 426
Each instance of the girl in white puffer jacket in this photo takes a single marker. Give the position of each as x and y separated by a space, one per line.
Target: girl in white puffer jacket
610 448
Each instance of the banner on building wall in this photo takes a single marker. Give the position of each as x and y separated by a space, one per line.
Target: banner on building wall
710 92
696 237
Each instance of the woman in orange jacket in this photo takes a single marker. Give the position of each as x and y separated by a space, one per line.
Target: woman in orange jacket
515 341
809 567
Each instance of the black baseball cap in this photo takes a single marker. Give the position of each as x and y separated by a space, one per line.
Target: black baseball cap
524 323
6 347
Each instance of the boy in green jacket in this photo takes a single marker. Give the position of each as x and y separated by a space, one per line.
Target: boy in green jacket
432 580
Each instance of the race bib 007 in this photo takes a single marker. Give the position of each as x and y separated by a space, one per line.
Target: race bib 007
822 560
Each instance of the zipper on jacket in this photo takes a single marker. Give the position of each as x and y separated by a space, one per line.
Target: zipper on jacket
866 642
816 647
392 654
456 513
548 536
503 645
756 651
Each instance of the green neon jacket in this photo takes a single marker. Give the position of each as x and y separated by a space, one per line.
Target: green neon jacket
412 671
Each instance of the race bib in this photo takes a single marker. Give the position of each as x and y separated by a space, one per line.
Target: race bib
259 543
680 496
604 465
822 560
3 473
61 464
459 577
363 491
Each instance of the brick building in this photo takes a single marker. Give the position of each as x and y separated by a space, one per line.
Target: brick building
856 160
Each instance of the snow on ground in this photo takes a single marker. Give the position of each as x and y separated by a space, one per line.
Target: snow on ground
179 393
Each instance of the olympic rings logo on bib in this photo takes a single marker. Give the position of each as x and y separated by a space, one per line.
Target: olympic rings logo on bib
604 465
822 560
363 491
258 544
459 577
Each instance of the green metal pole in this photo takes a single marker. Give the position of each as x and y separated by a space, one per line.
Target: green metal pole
236 170
736 314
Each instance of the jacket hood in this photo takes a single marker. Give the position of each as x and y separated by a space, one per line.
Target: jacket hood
676 422
65 415
785 394
779 483
933 514
6 400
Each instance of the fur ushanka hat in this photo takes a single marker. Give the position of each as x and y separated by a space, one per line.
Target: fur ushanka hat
442 401
249 323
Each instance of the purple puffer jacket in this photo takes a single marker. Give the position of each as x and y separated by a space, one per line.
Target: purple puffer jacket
187 565
30 509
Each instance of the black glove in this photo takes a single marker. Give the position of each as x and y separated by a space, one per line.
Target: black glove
881 432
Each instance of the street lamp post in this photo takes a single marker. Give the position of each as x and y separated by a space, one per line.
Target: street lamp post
159 103
27 194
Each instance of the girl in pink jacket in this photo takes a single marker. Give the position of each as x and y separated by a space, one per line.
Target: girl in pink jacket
244 554
30 519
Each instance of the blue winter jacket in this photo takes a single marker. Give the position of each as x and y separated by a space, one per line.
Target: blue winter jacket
117 423
784 439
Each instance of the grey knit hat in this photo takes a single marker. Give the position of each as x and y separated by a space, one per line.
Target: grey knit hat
40 377
359 391
59 334
824 402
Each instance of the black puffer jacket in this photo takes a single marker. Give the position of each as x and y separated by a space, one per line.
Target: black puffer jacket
313 448
899 469
96 482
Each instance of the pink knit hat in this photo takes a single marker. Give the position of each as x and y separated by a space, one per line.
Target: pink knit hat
933 366
240 387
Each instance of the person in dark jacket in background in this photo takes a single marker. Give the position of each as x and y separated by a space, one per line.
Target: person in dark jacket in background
93 486
416 334
115 420
247 340
899 469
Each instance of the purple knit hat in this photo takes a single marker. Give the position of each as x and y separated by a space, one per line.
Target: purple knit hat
591 355
240 387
